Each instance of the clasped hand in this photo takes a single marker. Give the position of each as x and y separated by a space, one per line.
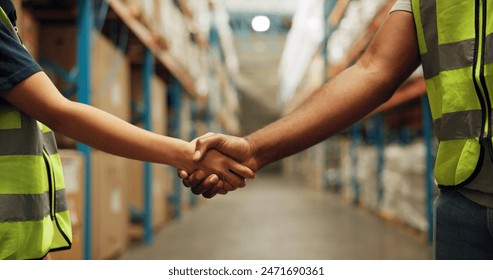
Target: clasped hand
224 163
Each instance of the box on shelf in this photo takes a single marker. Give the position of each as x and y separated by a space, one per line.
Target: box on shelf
58 46
73 172
160 185
110 70
110 78
159 106
143 10
110 217
28 28
109 74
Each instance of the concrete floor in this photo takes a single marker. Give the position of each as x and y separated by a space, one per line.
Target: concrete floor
275 219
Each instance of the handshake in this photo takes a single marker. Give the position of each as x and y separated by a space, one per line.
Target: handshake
220 164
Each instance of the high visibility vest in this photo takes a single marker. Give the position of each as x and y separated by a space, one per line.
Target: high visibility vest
456 49
34 217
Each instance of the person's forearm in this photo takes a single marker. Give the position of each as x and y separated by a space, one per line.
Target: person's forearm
39 98
78 122
331 109
391 57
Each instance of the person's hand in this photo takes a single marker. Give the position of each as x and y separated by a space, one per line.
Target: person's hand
237 148
217 173
226 175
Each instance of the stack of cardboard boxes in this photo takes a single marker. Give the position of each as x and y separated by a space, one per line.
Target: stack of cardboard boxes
73 172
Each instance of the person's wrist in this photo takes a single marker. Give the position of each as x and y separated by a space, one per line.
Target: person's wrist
253 162
183 158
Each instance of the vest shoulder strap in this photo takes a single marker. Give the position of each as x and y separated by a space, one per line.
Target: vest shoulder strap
6 21
9 8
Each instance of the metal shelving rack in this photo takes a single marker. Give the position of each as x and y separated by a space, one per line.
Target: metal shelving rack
414 90
156 59
84 28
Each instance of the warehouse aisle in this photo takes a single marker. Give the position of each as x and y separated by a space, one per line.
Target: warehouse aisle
273 218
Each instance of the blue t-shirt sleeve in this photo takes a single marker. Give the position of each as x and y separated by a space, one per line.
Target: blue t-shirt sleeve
16 64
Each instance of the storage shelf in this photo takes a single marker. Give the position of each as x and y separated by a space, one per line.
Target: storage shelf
407 92
362 43
145 49
66 13
410 90
338 12
152 43
403 116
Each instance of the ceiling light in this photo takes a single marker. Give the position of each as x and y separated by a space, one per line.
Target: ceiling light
260 23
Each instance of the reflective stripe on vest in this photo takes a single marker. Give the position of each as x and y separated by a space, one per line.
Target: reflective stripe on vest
29 207
34 217
455 40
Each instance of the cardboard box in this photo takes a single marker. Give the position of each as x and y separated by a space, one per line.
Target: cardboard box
159 118
28 28
73 163
29 32
160 185
159 106
110 69
110 217
143 10
58 46
160 197
110 78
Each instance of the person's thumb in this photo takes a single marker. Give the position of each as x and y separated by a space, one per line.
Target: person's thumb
204 144
208 134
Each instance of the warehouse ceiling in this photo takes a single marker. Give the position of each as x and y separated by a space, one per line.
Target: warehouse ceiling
259 54
269 6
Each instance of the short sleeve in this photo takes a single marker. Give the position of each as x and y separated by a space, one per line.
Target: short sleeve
16 64
402 5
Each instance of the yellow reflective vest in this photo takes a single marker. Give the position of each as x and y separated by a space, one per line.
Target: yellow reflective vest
34 217
456 46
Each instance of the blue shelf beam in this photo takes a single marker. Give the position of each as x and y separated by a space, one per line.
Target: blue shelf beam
329 6
175 95
147 73
84 28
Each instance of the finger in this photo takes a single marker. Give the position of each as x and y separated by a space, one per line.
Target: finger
207 184
241 170
195 179
185 183
213 191
203 136
206 143
182 174
223 191
228 187
234 179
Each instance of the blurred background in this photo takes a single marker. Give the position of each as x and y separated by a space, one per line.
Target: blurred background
186 67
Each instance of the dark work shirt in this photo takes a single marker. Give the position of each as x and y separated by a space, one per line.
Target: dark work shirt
16 64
